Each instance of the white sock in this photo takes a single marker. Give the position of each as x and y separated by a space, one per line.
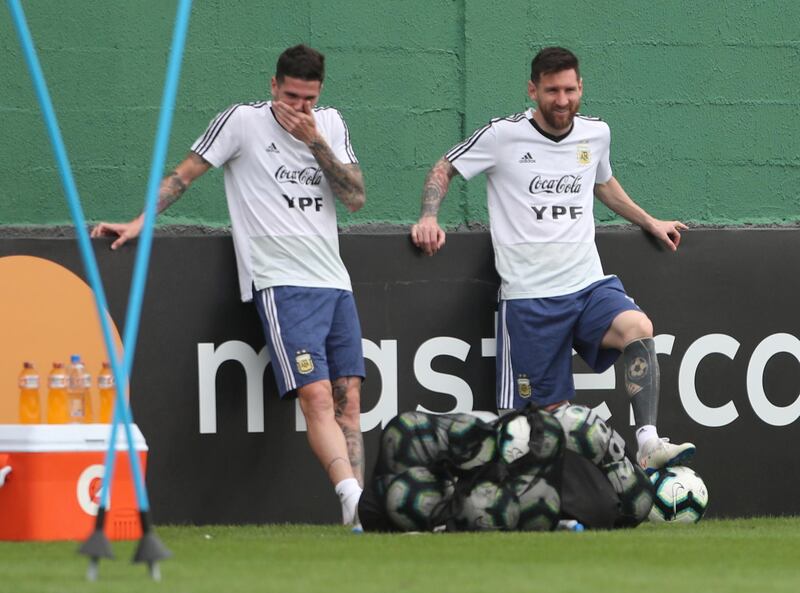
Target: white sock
645 433
349 493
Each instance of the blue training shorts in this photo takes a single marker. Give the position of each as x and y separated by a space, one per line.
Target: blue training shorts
535 338
313 334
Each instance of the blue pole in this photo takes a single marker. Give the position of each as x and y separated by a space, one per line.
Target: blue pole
68 183
121 409
143 251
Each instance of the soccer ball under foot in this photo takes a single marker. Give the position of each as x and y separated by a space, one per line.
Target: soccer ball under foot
680 495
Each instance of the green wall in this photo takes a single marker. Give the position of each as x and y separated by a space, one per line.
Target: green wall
703 98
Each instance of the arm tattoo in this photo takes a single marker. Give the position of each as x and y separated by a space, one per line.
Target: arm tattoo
345 180
172 188
435 187
352 434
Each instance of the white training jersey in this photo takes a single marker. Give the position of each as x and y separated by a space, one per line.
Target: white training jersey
541 196
282 209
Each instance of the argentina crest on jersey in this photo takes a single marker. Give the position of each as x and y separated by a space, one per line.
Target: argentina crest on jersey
584 154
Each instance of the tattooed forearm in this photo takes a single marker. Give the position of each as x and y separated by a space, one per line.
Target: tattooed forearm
346 181
172 188
435 187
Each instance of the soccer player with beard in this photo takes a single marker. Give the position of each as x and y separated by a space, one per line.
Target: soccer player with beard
543 169
285 163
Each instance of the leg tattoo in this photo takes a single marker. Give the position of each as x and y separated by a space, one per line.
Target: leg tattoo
642 380
334 460
350 427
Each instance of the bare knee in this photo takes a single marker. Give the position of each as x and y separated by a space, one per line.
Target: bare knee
627 327
641 327
316 401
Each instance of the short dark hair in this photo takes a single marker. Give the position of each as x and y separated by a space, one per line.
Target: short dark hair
300 62
553 59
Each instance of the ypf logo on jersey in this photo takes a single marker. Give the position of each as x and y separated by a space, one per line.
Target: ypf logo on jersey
304 202
305 364
584 155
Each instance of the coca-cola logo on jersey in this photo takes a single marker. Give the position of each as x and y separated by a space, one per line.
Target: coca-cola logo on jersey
306 176
566 184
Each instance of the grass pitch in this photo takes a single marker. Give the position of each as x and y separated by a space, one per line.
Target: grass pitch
751 555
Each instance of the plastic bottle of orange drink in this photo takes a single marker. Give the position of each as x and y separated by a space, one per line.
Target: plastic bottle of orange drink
77 390
57 395
30 407
105 385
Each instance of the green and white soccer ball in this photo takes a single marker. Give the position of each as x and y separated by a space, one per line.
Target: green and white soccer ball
471 442
539 503
513 439
409 440
488 506
413 497
681 495
586 432
633 489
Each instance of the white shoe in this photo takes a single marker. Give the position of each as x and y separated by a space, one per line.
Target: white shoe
656 454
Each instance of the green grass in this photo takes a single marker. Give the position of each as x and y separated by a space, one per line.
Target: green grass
753 555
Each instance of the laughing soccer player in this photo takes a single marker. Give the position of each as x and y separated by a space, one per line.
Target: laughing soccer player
285 162
543 169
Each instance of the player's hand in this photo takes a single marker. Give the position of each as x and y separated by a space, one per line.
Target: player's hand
123 231
300 124
428 235
668 232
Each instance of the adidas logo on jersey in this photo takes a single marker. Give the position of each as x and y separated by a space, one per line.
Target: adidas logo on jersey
272 148
527 158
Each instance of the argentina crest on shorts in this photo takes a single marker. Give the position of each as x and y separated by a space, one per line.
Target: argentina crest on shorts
524 386
305 364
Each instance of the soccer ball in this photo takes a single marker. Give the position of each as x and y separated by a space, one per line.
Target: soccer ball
513 439
413 497
409 440
586 432
547 442
680 495
539 504
616 448
633 489
488 506
471 442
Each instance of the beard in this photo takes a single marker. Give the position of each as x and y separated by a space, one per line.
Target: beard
559 120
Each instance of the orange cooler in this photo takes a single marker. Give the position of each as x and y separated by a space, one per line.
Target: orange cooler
53 489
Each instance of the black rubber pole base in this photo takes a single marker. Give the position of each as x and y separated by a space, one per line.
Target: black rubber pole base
96 546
